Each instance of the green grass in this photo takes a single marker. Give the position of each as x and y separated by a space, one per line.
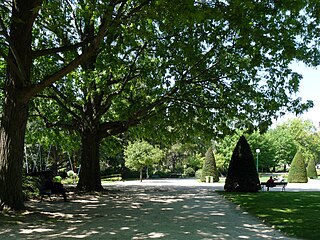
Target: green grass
294 213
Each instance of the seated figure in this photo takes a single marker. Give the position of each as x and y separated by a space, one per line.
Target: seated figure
53 187
270 183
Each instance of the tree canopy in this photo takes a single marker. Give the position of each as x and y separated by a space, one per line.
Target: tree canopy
141 154
104 67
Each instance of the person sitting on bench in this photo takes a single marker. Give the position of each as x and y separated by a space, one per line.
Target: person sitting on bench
54 187
270 183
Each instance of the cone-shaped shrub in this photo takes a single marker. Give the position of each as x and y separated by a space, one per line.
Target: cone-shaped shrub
210 167
311 170
298 172
242 175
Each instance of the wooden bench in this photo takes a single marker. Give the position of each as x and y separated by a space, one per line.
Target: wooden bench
275 184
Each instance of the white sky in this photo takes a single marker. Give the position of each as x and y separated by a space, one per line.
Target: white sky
309 90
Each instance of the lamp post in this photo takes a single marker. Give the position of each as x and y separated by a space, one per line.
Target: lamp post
257 151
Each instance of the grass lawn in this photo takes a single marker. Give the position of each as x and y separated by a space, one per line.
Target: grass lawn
296 214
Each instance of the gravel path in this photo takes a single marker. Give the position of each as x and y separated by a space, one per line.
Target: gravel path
153 209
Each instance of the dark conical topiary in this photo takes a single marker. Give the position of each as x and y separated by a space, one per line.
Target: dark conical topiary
242 175
298 172
210 167
311 170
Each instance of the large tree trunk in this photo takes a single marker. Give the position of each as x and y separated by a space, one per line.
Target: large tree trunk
12 134
89 178
15 108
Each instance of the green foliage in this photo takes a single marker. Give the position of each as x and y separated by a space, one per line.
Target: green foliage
30 186
111 65
141 154
311 170
137 72
189 172
277 146
242 175
182 155
209 167
305 137
198 174
224 149
113 177
282 144
298 172
195 161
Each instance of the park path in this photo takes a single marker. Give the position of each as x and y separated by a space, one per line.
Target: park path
153 209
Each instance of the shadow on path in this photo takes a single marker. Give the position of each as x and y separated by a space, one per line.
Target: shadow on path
139 212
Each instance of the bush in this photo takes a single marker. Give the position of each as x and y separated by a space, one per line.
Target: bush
70 173
210 167
198 173
189 172
112 177
160 173
311 170
30 186
242 174
298 172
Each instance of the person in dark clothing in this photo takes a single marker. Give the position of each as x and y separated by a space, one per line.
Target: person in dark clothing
270 183
51 187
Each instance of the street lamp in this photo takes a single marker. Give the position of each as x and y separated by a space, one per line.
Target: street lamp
257 151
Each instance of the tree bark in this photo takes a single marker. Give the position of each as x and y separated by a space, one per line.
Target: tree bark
15 107
12 134
89 177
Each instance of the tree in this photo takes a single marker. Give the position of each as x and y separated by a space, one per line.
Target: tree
21 52
146 67
141 154
305 137
266 156
210 167
292 135
311 170
163 64
242 175
298 172
283 146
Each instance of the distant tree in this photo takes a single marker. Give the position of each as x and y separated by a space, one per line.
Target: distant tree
298 172
311 169
242 175
210 167
141 154
283 146
224 148
304 134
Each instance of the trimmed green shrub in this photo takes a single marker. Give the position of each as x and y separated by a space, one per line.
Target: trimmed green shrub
189 172
242 174
297 171
210 167
311 170
198 173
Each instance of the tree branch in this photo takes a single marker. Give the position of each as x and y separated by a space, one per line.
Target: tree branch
60 103
43 52
91 51
49 124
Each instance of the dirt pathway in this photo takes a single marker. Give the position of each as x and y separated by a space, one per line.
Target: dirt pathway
139 211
